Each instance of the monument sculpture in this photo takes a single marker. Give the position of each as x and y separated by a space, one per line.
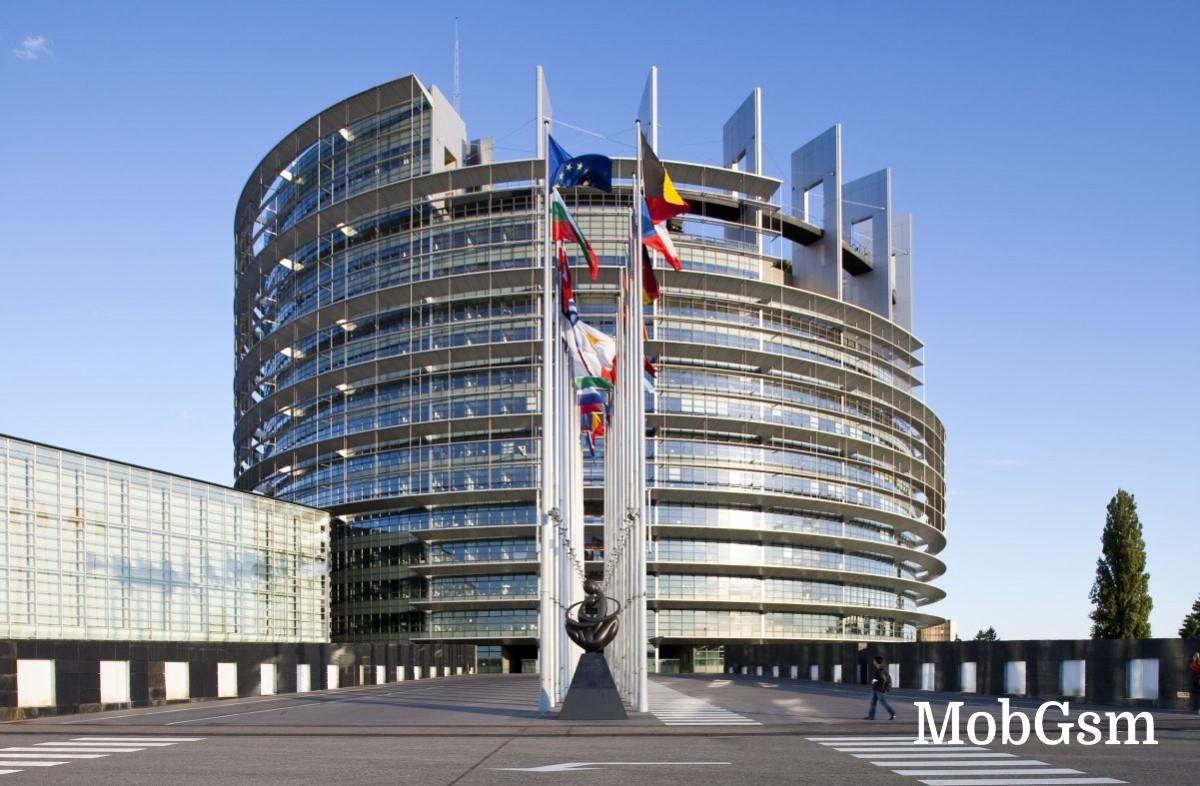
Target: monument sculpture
593 694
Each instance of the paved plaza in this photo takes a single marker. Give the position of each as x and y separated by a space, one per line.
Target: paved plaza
485 729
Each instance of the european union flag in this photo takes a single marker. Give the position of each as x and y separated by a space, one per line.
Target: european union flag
592 170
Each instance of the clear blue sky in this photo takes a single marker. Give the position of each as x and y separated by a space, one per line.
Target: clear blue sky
1048 151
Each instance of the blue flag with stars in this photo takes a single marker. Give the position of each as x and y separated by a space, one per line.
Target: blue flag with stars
592 170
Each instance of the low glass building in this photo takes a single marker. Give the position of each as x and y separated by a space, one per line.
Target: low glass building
388 280
93 549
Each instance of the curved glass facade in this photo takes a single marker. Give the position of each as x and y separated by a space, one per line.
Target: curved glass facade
387 370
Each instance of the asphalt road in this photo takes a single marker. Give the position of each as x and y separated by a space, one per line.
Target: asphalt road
483 731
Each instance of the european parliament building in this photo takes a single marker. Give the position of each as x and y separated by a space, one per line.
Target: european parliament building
388 280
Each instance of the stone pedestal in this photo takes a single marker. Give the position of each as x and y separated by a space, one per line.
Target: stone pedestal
593 694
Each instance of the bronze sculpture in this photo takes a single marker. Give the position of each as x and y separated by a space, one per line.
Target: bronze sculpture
592 629
593 695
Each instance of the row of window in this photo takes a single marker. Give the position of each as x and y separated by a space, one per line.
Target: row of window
707 623
485 308
748 589
442 518
665 329
386 148
725 552
368 396
522 585
94 549
754 386
502 243
400 345
813 522
774 483
498 550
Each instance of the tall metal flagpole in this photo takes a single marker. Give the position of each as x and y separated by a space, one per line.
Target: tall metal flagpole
638 425
547 496
566 505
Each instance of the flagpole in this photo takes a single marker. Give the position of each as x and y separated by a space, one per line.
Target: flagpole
567 500
546 495
638 423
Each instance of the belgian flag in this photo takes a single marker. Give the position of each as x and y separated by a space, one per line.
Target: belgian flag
662 198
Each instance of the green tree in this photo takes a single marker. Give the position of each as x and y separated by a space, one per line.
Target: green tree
1121 592
1191 623
987 635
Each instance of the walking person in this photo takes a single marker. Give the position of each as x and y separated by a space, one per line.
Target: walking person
1195 668
881 683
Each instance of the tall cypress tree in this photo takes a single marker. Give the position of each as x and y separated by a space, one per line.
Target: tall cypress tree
1121 593
1191 623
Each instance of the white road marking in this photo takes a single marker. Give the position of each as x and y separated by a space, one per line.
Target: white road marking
1017 781
66 747
1031 771
6 756
934 755
235 714
675 708
891 738
943 763
52 754
140 739
579 766
908 749
106 744
193 706
960 765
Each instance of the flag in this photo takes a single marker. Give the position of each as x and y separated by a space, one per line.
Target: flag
657 237
592 426
564 170
593 353
594 382
650 289
649 367
566 290
565 230
661 195
592 400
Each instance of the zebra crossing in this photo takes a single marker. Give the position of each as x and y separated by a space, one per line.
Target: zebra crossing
675 708
79 750
956 765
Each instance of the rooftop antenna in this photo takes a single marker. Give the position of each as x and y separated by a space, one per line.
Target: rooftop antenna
457 91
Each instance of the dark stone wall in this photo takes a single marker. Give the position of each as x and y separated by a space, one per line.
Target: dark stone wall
1106 665
77 667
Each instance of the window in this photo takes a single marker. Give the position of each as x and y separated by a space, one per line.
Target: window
1143 678
114 682
35 683
1072 678
814 204
1014 677
266 679
227 680
177 677
303 678
966 677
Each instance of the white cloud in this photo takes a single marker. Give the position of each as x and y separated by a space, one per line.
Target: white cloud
32 47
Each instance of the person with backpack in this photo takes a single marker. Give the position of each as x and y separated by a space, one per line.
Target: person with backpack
1195 668
881 683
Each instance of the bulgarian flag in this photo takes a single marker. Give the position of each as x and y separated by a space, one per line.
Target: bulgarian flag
567 231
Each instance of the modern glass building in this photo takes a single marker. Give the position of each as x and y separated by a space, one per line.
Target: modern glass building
387 292
94 549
